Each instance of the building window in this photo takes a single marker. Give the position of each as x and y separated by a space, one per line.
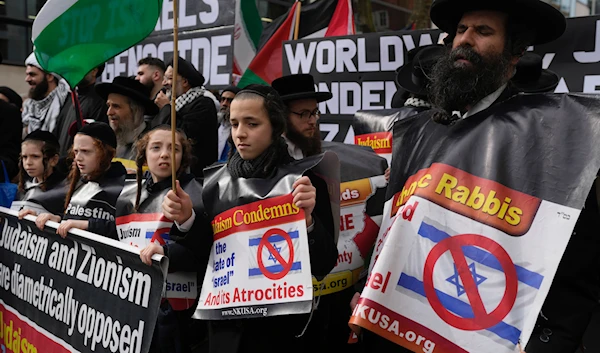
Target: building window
16 19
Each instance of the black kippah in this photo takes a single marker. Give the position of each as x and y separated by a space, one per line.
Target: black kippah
100 131
40 135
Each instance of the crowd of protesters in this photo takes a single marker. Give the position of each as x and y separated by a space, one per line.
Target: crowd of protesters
62 164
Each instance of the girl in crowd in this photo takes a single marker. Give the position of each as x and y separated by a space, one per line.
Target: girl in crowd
41 185
151 207
257 121
94 181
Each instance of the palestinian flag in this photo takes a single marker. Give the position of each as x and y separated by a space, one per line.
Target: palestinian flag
246 35
323 18
72 37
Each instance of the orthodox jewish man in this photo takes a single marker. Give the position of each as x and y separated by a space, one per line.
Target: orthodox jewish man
472 93
128 102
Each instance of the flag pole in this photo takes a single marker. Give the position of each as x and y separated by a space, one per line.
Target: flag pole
297 24
173 94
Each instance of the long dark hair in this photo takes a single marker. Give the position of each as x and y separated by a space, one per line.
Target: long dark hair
140 159
106 153
49 151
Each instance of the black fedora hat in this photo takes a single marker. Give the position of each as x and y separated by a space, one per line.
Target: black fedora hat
531 78
547 21
131 88
299 86
414 76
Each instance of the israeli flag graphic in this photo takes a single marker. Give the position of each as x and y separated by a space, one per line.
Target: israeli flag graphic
486 268
274 253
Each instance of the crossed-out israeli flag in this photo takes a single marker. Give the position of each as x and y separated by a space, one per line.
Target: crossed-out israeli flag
164 234
272 255
487 273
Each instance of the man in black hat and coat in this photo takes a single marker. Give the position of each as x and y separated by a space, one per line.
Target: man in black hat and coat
127 101
196 112
486 41
298 93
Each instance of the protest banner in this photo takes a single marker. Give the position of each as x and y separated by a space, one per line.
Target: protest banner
362 194
84 293
360 70
205 39
148 224
467 251
259 263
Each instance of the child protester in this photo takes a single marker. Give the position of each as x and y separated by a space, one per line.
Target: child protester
94 182
41 185
152 216
258 164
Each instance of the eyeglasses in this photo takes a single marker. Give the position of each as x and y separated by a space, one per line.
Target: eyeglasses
306 114
223 99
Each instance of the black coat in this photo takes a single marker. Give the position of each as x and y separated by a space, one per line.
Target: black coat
51 200
97 199
11 129
198 119
92 107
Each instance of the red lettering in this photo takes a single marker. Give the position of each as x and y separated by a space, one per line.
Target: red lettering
347 223
292 292
409 211
377 282
300 291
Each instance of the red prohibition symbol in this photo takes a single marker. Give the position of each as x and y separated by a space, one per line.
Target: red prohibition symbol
264 242
481 319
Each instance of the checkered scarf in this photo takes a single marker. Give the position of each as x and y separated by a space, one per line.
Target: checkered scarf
188 97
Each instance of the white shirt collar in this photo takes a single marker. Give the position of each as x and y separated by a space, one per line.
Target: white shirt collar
485 103
293 150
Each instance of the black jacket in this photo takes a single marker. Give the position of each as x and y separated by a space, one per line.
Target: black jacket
11 129
92 107
198 119
52 200
97 199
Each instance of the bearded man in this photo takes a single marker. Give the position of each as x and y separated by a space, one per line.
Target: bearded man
48 94
298 93
150 73
471 82
127 101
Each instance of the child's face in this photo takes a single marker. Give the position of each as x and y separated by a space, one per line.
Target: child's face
33 159
87 156
158 154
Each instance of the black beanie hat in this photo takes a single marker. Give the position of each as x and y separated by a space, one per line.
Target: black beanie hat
45 136
100 131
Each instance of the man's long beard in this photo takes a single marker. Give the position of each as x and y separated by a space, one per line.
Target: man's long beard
310 146
38 92
125 132
455 88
